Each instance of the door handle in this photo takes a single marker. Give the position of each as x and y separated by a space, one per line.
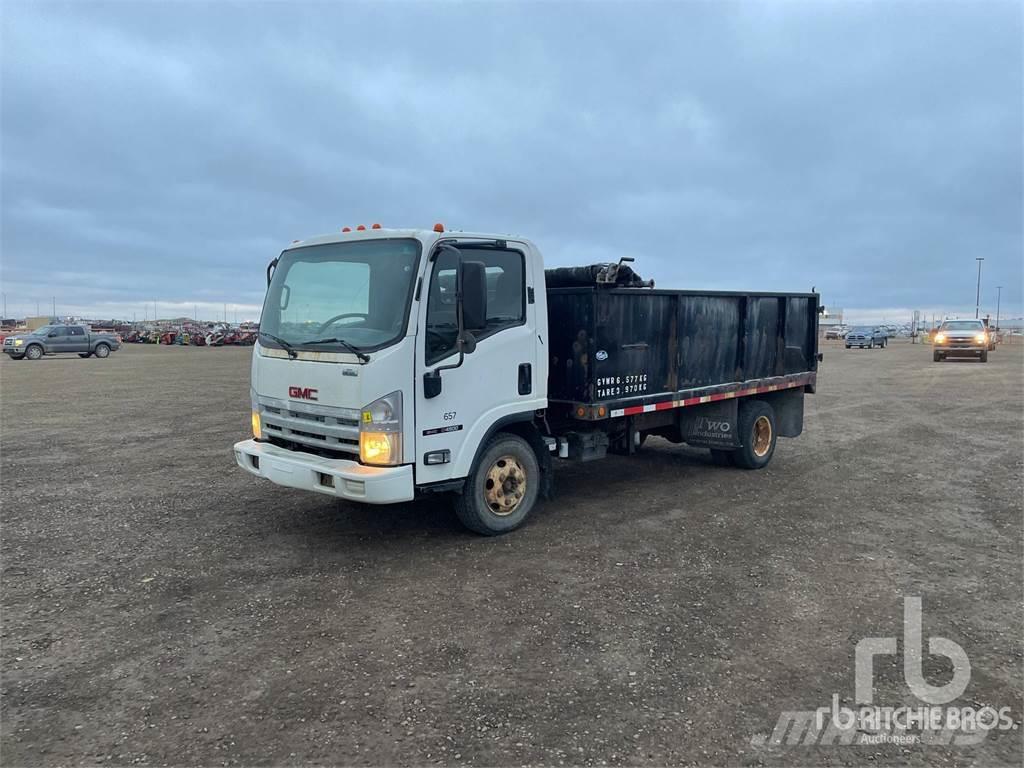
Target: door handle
525 378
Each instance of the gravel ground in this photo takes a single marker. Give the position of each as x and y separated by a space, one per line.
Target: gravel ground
160 606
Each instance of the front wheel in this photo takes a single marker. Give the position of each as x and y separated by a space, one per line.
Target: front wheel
502 489
757 431
936 357
983 356
85 354
102 350
34 352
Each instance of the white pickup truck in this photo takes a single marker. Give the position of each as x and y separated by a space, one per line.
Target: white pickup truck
393 363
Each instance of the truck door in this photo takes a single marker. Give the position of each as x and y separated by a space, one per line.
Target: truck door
57 339
497 381
76 339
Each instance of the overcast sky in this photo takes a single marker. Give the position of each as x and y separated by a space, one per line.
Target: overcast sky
168 151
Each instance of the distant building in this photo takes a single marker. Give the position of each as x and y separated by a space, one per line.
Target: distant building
38 322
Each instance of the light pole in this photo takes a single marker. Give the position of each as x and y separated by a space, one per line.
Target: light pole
999 297
977 298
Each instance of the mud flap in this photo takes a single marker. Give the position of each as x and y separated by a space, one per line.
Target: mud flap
712 425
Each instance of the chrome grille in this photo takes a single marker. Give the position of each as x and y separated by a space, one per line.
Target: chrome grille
321 426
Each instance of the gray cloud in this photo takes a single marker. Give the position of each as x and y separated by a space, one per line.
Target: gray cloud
168 151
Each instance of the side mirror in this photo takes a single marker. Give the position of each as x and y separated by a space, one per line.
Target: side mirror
473 295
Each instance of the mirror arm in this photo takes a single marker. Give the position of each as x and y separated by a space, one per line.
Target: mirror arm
270 269
452 366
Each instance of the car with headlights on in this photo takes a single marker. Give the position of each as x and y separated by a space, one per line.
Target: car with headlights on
866 336
961 338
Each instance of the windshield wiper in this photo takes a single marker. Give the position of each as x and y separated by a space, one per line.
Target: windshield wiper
350 347
292 354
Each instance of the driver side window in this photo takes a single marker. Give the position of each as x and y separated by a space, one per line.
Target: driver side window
506 297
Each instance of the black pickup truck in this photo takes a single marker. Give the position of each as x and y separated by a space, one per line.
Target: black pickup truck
57 339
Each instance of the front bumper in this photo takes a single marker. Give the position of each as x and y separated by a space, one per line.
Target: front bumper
334 477
955 349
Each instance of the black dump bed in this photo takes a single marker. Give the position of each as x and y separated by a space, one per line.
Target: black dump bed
627 346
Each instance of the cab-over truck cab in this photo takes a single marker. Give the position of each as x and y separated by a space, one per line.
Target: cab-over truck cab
360 387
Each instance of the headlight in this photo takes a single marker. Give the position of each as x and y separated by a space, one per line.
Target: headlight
980 338
18 342
257 428
380 431
940 338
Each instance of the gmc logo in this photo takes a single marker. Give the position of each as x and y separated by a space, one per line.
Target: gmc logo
302 393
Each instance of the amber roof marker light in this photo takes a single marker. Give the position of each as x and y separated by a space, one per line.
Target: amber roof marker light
361 228
375 226
346 229
439 227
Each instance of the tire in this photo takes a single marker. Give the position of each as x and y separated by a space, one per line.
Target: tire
33 352
722 458
848 346
756 425
102 351
85 354
983 357
16 357
936 357
871 345
491 508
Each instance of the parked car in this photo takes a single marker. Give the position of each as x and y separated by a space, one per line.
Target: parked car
961 338
58 339
833 333
866 336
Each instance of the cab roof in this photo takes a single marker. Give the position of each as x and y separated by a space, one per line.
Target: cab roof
427 236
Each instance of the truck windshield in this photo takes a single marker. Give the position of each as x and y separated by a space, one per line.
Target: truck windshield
963 325
357 292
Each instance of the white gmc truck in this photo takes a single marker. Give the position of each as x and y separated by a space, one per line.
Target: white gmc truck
393 363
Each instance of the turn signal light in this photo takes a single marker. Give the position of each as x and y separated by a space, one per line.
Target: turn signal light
257 428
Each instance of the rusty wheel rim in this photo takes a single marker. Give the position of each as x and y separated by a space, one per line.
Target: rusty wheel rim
505 486
762 436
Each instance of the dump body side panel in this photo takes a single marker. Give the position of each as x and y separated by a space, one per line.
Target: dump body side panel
614 346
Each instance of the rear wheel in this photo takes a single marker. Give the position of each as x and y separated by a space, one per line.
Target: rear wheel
102 350
34 352
502 489
757 431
